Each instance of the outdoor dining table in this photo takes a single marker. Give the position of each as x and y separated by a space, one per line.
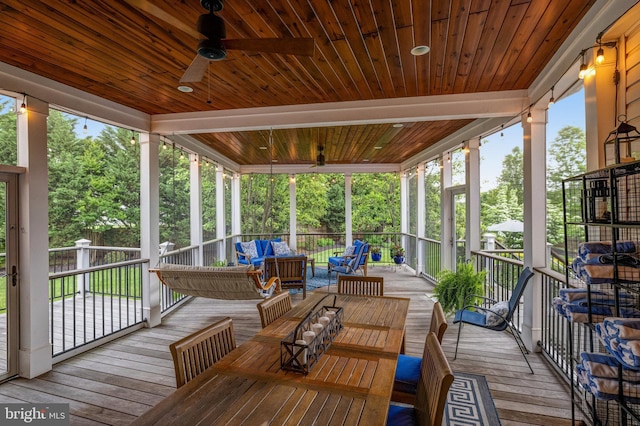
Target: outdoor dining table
350 384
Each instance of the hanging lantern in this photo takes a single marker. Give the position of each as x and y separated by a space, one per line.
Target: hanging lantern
622 145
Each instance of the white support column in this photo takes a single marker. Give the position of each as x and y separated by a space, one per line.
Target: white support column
35 347
404 203
195 205
535 214
293 218
420 222
220 216
236 217
446 206
150 225
600 119
472 196
348 223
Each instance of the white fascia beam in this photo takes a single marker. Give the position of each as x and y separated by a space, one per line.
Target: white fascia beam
420 108
14 81
329 168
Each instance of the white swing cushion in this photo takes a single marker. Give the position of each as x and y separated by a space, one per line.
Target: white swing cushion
280 248
229 283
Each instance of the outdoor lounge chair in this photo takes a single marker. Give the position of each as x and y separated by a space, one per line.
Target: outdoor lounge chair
198 351
291 270
435 380
477 315
228 283
405 384
350 264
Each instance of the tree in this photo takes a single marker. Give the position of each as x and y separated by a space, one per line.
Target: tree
512 175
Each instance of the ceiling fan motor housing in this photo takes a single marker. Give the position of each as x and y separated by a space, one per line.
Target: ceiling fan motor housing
212 27
213 50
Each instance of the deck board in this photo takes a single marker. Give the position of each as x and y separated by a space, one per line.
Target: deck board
116 382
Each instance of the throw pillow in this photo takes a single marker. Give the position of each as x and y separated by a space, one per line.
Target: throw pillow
349 251
280 248
249 248
500 308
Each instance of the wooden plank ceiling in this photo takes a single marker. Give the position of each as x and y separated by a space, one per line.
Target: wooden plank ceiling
124 52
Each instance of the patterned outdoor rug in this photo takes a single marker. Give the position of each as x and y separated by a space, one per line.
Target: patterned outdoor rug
469 402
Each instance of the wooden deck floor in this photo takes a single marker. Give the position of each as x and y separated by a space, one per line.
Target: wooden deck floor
120 380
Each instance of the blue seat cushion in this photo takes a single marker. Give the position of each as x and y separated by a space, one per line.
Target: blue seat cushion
336 260
470 317
401 416
407 374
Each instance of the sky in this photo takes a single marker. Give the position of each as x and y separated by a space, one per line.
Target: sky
566 112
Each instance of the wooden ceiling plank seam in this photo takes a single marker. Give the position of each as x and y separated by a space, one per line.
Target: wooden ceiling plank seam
438 53
372 31
338 79
469 49
409 72
404 28
507 31
421 16
121 93
337 40
523 39
316 77
138 42
567 21
495 17
356 45
76 44
363 145
458 24
392 46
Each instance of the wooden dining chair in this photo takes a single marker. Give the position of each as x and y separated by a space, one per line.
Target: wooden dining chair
405 383
198 351
366 286
273 308
435 380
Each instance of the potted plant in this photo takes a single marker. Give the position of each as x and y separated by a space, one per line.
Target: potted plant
453 287
397 252
376 253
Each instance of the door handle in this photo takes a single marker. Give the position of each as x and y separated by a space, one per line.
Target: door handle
14 275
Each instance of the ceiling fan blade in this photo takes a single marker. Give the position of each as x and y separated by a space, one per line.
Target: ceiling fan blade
287 46
154 10
196 70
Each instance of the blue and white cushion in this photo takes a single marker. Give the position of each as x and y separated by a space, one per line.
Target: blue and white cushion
249 248
501 309
280 248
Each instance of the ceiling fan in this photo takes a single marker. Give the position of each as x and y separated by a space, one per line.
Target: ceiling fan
213 44
319 157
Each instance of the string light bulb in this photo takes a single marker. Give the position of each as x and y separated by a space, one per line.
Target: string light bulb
529 117
552 100
181 155
133 138
164 144
23 105
502 130
583 69
600 55
85 129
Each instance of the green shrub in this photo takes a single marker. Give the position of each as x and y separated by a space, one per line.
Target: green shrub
325 242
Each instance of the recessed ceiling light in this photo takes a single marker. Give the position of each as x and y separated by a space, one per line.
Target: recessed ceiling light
274 160
420 50
263 147
377 147
398 125
365 160
185 89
